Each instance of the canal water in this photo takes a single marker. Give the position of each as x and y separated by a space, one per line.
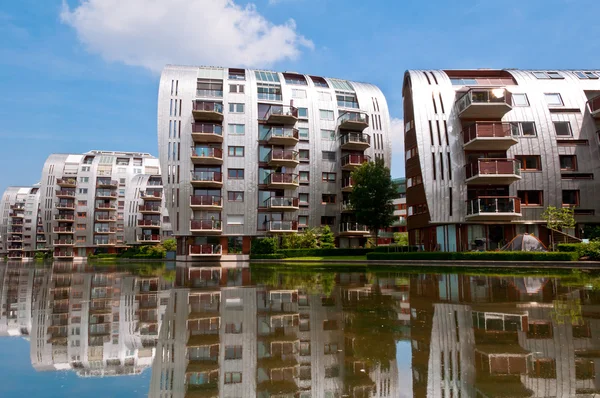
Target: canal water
176 330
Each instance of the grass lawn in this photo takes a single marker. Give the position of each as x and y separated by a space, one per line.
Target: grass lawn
362 258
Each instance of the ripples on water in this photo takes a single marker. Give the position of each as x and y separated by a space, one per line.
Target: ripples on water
207 331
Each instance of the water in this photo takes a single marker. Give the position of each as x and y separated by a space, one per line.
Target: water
80 330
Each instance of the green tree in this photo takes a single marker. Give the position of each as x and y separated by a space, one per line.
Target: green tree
308 239
372 196
327 240
559 219
170 245
401 238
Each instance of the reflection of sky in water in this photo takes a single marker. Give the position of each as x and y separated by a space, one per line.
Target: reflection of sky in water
19 379
403 358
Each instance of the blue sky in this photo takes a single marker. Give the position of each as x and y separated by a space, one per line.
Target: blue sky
79 76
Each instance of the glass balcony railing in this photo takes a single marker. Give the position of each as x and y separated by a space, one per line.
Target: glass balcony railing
209 93
282 178
207 176
353 118
205 106
280 155
282 226
491 167
282 133
353 227
206 200
355 160
484 96
355 138
203 152
493 205
205 225
594 105
276 201
490 130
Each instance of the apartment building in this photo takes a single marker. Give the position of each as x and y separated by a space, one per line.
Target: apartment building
21 230
399 224
248 153
101 201
96 323
488 150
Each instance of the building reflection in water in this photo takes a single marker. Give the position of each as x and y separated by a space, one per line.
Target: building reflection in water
211 331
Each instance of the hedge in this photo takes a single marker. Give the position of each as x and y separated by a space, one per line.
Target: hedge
395 249
476 256
568 247
275 256
323 252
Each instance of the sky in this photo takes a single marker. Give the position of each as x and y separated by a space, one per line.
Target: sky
79 75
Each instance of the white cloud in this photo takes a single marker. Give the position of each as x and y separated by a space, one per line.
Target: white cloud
153 33
397 137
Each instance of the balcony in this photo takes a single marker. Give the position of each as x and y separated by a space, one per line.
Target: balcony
207 132
148 223
105 242
65 205
281 114
106 206
284 158
149 209
106 194
17 222
15 254
151 195
105 230
281 203
206 179
347 207
352 228
66 182
205 250
40 239
207 155
493 208
282 180
15 239
17 215
15 247
105 218
282 136
206 93
209 111
64 254
356 121
148 238
206 226
490 136
16 231
207 202
63 242
355 142
282 226
493 171
18 206
64 217
353 161
106 183
63 230
65 193
484 103
594 105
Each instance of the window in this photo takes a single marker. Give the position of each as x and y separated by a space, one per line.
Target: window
266 76
82 203
236 88
525 129
331 348
411 153
298 93
237 74
332 371
347 100
84 179
303 199
570 197
303 113
540 75
540 330
326 155
235 174
553 99
520 100
412 181
319 81
236 108
554 75
269 92
328 177
235 219
233 377
303 221
324 96
235 196
237 129
568 162
326 114
304 155
586 75
548 75
530 162
328 135
327 198
85 168
303 133
233 352
236 151
544 368
233 328
562 128
81 214
530 198
304 177
327 220
585 369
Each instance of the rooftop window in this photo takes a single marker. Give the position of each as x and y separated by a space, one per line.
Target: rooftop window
319 81
293 78
266 76
237 74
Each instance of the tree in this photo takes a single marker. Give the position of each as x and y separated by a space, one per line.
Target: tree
559 219
170 245
372 196
327 239
401 238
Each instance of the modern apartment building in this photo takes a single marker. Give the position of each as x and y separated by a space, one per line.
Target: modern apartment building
101 201
21 230
488 150
248 153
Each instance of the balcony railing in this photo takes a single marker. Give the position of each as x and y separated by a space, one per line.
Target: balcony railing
205 225
352 227
594 105
106 183
282 179
105 242
283 226
207 110
494 169
206 201
106 206
284 157
63 253
105 218
347 206
282 135
354 160
355 141
353 120
15 254
151 195
63 242
66 182
205 250
207 153
282 202
209 93
148 223
18 206
490 135
207 177
64 217
14 239
148 238
149 209
207 132
68 193
106 193
494 206
484 103
281 114
63 230
105 230
65 205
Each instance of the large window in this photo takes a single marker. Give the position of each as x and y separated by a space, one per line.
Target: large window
520 100
303 199
326 114
330 156
327 220
235 196
303 113
525 129
233 377
303 133
236 108
269 92
530 162
264 76
235 174
236 151
562 129
304 177
347 100
568 162
570 197
328 135
236 129
328 177
553 99
327 198
530 198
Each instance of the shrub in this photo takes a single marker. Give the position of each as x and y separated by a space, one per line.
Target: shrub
395 249
170 245
326 240
272 256
475 256
568 247
323 252
590 250
264 246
